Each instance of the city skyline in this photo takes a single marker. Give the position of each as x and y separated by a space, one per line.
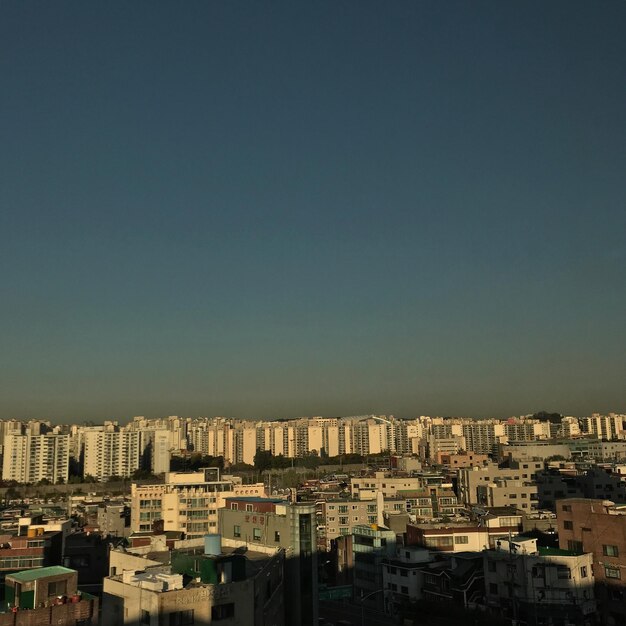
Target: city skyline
242 209
128 419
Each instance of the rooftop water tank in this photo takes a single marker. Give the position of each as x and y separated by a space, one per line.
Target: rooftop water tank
213 544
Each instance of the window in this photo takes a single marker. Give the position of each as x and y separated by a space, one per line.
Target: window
610 550
493 588
404 573
404 590
256 534
145 616
612 572
222 611
276 535
343 520
249 508
567 508
583 571
391 570
181 618
236 530
491 566
461 539
563 573
574 546
568 525
58 588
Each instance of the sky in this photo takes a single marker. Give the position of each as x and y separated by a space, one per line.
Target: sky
278 209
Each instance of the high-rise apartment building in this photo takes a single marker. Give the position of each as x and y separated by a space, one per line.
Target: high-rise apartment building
31 458
116 453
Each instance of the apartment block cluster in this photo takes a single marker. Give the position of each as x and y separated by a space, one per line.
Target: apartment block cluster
523 518
37 450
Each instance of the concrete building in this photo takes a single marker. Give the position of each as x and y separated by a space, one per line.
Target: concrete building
370 546
268 524
469 479
45 597
464 459
111 453
199 586
590 482
339 518
461 536
113 519
186 501
403 576
502 492
438 447
533 450
389 485
539 585
598 527
31 458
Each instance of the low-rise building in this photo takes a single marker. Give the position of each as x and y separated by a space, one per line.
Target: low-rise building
47 596
367 487
186 501
403 576
268 524
464 459
458 536
521 494
599 527
539 585
199 586
470 478
370 546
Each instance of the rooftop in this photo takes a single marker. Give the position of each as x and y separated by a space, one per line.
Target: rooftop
558 552
258 499
40 572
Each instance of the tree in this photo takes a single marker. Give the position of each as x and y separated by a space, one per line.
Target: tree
263 460
142 474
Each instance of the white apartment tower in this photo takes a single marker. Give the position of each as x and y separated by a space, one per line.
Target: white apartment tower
111 453
31 458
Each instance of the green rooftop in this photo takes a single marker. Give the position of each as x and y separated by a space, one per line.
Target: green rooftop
40 572
557 552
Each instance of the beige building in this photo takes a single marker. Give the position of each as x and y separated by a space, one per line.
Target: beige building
367 487
523 582
502 492
198 586
469 479
186 501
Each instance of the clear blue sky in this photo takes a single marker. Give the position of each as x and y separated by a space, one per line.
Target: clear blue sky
300 208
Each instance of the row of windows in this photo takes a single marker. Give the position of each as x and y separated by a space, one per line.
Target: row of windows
394 587
256 533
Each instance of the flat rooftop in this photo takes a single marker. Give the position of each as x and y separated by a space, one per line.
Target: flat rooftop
40 572
258 499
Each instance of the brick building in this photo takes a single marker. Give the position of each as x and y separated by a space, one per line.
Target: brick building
599 527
